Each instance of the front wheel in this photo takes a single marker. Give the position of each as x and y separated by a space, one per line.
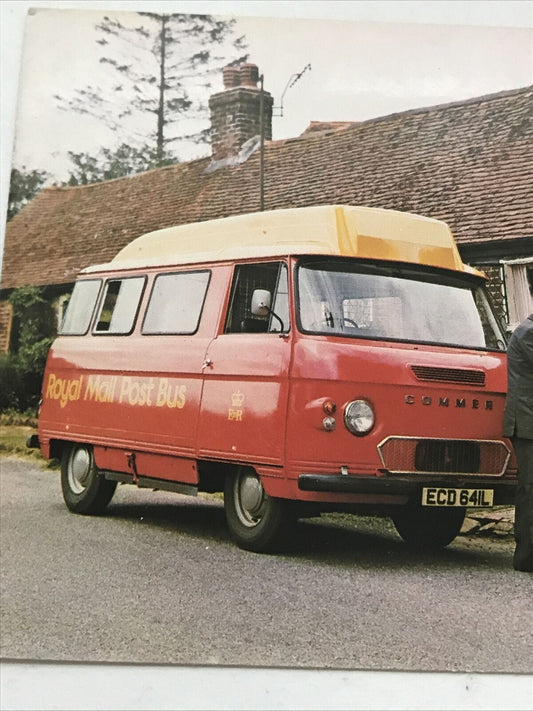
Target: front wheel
257 522
428 528
85 491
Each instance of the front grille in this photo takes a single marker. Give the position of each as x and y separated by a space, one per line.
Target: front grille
449 375
447 456
411 455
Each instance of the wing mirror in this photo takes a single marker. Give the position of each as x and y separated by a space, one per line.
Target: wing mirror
261 302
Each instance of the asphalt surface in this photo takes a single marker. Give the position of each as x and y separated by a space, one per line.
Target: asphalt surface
157 580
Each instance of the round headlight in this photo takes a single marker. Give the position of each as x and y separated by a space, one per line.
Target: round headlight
359 417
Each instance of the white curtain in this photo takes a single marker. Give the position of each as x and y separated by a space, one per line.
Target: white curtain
519 300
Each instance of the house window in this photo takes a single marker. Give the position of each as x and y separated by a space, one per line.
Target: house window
119 306
176 303
80 308
271 276
518 280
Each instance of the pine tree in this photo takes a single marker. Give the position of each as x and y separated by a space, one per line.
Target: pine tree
165 67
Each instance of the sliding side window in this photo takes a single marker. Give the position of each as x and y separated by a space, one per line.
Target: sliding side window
80 308
266 276
176 303
119 306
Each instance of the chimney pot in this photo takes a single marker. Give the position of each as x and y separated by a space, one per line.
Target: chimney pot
249 75
231 76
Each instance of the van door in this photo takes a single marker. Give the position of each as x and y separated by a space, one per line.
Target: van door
244 400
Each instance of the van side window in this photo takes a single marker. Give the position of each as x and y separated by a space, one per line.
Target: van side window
80 308
119 306
271 276
176 303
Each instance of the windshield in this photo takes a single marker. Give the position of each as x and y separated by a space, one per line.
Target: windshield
395 303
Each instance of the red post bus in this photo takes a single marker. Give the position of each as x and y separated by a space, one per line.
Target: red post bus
301 360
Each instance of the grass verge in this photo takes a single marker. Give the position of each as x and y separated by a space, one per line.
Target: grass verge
13 443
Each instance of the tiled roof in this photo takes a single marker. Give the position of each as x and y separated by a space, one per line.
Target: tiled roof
468 163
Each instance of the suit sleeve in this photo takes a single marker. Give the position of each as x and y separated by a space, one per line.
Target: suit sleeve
526 347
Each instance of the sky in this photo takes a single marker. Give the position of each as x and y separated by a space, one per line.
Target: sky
368 59
359 70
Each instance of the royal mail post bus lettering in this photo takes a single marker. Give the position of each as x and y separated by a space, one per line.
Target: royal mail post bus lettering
296 360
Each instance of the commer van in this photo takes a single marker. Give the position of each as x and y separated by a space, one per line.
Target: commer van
299 361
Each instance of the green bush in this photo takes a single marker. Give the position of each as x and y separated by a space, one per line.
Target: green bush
21 372
35 321
11 384
20 389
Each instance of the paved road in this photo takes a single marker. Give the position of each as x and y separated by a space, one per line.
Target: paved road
157 580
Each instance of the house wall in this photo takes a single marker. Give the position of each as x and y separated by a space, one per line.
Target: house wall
496 289
6 320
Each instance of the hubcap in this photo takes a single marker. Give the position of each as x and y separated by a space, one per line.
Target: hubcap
79 470
249 498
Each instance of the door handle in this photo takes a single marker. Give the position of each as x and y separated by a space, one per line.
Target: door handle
208 363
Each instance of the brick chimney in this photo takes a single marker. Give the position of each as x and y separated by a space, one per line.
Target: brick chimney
235 112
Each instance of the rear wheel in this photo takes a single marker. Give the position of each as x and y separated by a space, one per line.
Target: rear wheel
256 521
428 528
85 491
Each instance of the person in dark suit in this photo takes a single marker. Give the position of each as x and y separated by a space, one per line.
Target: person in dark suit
518 424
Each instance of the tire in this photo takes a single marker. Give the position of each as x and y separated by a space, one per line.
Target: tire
257 522
85 490
428 528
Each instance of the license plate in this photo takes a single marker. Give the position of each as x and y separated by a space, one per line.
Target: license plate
436 496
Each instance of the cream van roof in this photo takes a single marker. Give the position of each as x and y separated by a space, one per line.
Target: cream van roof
339 230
